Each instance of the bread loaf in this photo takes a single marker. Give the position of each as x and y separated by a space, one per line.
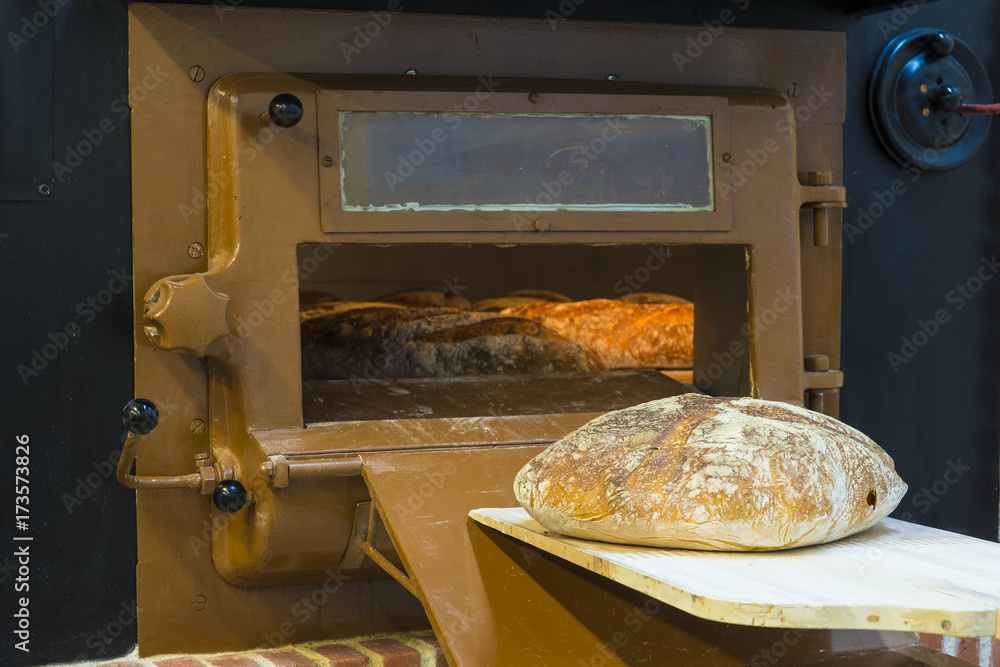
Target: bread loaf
330 307
622 335
718 474
425 298
381 342
518 298
651 297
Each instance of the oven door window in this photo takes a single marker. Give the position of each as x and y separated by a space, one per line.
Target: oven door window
496 161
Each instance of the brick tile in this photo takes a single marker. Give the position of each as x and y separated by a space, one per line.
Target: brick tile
931 641
178 662
341 656
288 658
968 650
121 663
394 654
996 653
232 660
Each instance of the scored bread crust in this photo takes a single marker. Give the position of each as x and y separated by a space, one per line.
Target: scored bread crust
717 474
391 342
623 335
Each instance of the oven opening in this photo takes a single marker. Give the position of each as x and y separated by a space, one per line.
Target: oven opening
444 331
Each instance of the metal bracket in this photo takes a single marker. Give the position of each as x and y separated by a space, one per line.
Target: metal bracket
821 195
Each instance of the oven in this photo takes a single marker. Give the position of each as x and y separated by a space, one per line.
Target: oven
281 153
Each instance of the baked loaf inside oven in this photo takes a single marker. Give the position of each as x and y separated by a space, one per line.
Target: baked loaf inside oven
519 298
623 335
718 474
651 297
425 298
375 341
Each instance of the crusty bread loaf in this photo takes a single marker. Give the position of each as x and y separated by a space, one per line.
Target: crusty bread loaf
425 298
651 297
623 335
380 342
309 297
717 474
518 298
331 307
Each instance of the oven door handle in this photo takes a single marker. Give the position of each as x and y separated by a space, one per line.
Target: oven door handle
141 417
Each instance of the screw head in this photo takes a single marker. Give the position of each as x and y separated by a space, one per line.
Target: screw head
198 426
612 77
196 250
727 157
44 189
411 72
533 98
196 73
266 469
793 90
327 161
541 225
199 602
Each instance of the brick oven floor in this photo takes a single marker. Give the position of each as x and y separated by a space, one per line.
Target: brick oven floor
416 649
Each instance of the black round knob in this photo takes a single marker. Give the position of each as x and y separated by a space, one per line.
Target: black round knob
940 44
229 496
948 98
285 110
140 416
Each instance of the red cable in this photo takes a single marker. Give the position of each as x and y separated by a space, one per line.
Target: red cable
975 109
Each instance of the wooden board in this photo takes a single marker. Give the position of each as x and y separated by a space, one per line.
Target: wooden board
894 576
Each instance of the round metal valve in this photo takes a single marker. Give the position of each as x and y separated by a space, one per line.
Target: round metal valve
230 496
285 110
140 416
919 82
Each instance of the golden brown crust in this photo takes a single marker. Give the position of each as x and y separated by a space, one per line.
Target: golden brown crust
310 297
380 342
711 473
518 298
623 335
332 307
651 297
425 298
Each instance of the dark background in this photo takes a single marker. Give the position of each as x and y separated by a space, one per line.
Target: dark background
937 413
